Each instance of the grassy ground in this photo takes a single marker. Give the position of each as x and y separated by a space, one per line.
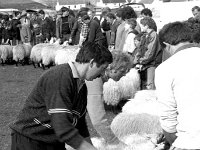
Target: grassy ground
15 85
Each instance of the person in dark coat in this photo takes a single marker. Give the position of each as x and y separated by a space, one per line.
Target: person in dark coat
64 25
45 26
95 34
54 112
15 25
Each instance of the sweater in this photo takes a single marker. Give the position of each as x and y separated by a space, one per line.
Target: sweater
177 85
55 109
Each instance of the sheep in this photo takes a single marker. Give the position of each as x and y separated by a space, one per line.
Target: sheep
66 54
21 53
35 55
48 55
124 88
6 53
138 123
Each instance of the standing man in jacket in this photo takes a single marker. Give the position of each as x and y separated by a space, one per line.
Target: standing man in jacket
64 25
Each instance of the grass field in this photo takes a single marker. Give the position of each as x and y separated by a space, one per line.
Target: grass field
15 84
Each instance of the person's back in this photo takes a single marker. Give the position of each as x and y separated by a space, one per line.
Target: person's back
177 89
184 76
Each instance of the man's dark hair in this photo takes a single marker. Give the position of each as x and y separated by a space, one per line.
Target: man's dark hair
111 15
196 8
194 25
81 14
146 12
41 12
64 9
119 13
128 12
91 50
175 33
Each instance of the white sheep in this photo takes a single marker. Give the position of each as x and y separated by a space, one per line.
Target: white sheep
66 54
21 53
138 125
6 53
125 88
35 55
48 54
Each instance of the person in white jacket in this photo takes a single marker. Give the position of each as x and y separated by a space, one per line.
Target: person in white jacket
129 45
177 82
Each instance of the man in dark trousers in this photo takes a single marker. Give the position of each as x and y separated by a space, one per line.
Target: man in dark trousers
54 112
64 25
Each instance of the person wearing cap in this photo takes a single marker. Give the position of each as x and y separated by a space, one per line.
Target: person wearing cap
64 25
35 28
45 26
25 29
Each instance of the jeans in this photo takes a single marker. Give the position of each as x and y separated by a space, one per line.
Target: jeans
150 78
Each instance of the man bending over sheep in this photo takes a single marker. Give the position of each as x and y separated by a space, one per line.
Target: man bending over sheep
54 112
177 83
120 66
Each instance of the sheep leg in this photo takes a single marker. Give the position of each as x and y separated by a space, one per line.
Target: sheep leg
43 67
16 63
2 62
33 64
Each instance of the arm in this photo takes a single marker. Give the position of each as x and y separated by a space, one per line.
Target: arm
96 111
92 32
58 28
166 99
29 33
152 48
59 106
74 30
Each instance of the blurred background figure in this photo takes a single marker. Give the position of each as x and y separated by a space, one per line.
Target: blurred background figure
64 25
45 26
196 12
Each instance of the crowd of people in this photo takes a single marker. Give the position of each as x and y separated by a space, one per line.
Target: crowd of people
54 116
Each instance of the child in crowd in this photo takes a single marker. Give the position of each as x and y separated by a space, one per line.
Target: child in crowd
129 45
152 56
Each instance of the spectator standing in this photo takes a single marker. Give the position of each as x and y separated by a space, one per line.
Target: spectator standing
178 89
45 26
122 15
129 45
54 16
15 23
105 26
111 19
36 28
153 55
94 33
64 25
146 12
196 12
6 26
54 112
76 30
25 29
